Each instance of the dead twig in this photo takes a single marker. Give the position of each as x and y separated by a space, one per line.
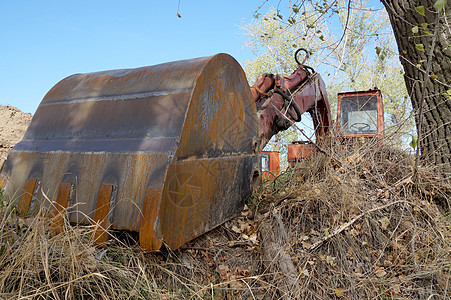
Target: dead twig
346 225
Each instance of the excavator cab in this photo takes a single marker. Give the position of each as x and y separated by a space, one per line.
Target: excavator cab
360 114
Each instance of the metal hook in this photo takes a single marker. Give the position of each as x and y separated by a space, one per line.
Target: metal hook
307 54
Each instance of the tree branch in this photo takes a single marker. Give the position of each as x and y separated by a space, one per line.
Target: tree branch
346 225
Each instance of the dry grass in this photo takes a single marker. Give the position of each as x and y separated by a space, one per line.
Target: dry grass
359 228
351 227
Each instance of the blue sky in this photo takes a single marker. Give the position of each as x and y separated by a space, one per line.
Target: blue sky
41 42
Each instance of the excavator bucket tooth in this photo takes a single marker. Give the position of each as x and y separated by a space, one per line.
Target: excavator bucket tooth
168 151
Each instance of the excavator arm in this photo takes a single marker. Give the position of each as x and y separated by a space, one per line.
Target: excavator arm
281 101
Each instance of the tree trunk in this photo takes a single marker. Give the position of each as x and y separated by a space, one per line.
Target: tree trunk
435 143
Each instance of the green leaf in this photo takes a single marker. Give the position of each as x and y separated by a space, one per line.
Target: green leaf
419 47
439 4
424 25
413 143
448 93
404 51
420 10
433 76
415 29
321 37
427 32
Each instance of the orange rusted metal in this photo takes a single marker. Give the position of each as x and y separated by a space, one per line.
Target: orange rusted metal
62 199
179 141
27 196
2 182
270 164
149 235
101 212
360 114
300 150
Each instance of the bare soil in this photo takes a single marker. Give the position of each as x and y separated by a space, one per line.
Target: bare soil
13 124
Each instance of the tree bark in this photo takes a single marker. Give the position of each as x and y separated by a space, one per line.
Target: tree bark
435 143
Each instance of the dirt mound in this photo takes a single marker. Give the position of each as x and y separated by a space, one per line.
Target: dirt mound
13 124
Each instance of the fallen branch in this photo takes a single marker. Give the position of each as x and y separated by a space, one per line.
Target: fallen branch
275 238
276 203
346 225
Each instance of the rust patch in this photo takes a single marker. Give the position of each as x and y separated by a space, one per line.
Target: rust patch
61 206
2 182
150 238
101 213
27 196
192 206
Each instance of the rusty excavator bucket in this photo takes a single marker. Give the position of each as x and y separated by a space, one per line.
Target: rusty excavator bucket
169 151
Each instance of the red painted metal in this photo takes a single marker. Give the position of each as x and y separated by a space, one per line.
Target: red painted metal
270 164
299 151
361 99
277 99
371 98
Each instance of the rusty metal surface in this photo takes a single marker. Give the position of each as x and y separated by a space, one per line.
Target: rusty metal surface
201 192
281 101
27 196
152 134
298 151
2 182
103 202
222 116
62 199
150 236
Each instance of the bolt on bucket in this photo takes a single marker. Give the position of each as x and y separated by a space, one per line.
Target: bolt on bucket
169 151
